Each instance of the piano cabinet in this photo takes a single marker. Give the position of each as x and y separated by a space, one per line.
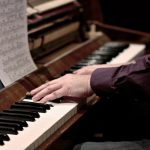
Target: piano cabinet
52 66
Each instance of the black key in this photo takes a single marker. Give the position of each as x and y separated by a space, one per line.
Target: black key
98 58
32 113
17 116
8 130
83 63
10 124
116 45
1 142
21 122
4 137
78 66
67 71
100 61
28 108
108 50
47 106
75 67
71 70
93 57
58 100
15 120
105 53
110 53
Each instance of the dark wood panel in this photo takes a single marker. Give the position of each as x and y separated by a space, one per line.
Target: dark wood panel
92 10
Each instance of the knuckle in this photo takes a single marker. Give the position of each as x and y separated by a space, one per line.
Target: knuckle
68 75
48 89
55 94
46 97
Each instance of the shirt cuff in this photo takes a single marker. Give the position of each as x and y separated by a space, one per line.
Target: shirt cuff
102 81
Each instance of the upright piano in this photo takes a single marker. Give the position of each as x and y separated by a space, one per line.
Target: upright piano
60 41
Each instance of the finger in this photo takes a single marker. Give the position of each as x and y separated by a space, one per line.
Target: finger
36 90
46 91
55 95
82 72
78 71
43 86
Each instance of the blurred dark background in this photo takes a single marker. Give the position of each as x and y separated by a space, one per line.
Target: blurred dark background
130 14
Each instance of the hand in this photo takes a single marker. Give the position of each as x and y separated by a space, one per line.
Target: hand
89 69
70 85
86 70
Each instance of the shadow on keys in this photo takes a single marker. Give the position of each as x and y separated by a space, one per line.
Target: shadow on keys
1 85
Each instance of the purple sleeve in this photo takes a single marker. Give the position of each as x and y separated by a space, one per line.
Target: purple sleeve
128 78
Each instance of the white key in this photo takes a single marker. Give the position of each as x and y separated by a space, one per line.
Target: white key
39 130
129 54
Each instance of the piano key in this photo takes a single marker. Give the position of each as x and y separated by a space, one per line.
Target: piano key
21 122
12 115
94 57
111 52
129 54
66 72
1 142
10 124
116 45
8 130
46 106
42 128
4 137
28 108
100 56
108 53
32 113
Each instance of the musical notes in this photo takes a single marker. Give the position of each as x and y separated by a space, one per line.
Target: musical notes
15 57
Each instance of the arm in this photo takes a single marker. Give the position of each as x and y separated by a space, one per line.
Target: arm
89 69
132 79
102 81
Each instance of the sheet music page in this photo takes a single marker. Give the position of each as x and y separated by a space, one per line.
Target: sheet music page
15 57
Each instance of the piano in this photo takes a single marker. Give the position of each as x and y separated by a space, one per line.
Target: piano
44 124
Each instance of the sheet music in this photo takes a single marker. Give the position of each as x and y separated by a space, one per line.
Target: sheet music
15 57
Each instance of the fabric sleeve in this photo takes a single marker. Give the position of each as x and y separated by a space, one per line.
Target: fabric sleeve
132 79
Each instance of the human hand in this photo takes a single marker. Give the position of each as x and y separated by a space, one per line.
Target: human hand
70 85
86 70
89 69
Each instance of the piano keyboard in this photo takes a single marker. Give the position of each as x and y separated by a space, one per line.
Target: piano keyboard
39 130
111 53
31 131
129 54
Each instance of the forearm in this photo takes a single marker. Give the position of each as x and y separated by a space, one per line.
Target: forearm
125 78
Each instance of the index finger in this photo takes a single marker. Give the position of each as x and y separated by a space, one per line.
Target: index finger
43 86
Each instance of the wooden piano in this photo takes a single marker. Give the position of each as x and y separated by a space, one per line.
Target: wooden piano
55 60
